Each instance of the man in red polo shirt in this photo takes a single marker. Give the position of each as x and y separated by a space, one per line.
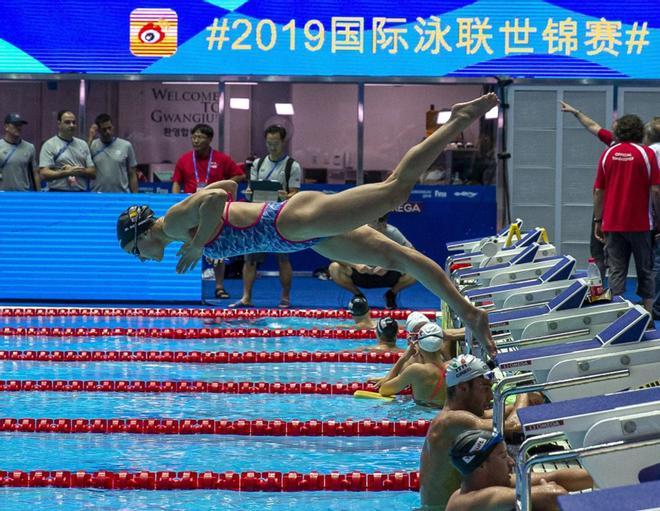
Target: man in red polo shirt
200 167
627 180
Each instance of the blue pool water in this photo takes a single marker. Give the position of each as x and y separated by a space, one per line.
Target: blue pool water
181 322
99 405
304 371
116 343
200 500
32 451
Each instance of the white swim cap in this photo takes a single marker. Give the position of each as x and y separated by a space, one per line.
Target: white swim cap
430 337
464 368
415 319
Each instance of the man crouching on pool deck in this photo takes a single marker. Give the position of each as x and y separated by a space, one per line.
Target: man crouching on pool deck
488 482
209 222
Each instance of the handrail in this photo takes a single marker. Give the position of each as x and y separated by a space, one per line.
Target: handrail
500 393
543 338
523 483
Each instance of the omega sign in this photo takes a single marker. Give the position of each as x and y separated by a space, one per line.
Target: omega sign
409 207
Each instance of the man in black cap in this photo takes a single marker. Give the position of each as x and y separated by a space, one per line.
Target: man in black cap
487 480
359 309
18 158
386 333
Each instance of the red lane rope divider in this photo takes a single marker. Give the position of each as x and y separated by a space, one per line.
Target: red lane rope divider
203 357
190 480
244 427
199 313
211 387
192 333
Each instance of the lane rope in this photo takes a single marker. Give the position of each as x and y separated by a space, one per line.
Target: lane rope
189 386
235 481
192 333
204 357
242 427
207 313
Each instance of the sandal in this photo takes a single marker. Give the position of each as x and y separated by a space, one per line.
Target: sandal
221 293
284 304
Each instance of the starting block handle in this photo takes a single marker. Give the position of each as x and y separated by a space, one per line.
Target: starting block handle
514 230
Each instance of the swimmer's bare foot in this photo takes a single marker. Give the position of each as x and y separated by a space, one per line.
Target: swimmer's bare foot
474 109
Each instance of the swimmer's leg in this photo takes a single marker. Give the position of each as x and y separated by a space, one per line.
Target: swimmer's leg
367 246
314 214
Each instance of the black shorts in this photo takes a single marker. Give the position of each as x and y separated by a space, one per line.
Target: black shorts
260 257
369 281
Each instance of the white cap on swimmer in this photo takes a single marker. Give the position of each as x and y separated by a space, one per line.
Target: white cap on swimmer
430 337
415 320
464 368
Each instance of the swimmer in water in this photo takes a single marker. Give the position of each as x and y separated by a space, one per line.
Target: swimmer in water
426 375
488 482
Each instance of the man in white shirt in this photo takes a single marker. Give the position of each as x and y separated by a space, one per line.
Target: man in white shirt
277 167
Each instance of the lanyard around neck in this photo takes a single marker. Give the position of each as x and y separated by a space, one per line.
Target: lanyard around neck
208 167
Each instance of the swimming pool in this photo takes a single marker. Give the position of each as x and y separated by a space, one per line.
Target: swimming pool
331 443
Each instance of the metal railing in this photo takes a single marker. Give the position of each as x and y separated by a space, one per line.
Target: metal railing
524 466
501 393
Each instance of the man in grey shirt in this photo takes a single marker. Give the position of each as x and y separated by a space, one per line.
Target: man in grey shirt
18 158
65 161
354 276
113 157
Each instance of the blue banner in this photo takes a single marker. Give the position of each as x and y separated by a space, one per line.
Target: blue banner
384 38
71 252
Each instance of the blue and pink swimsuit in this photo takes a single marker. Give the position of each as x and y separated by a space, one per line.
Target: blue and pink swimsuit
261 236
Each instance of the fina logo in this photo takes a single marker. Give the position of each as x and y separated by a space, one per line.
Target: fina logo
409 207
469 195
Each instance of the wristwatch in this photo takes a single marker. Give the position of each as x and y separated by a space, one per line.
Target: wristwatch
598 220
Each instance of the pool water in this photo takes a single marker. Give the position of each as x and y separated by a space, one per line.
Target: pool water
219 453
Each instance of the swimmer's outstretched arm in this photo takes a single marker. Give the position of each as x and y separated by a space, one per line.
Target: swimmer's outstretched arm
201 212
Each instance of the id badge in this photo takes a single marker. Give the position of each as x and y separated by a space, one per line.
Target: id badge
200 186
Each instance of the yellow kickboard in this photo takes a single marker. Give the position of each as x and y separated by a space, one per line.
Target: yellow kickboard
365 394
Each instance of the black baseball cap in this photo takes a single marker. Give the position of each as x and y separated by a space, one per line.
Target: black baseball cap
387 327
358 306
15 119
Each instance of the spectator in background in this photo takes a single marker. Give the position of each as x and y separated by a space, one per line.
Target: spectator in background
114 158
652 139
354 276
626 180
596 247
280 168
65 161
18 158
200 167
